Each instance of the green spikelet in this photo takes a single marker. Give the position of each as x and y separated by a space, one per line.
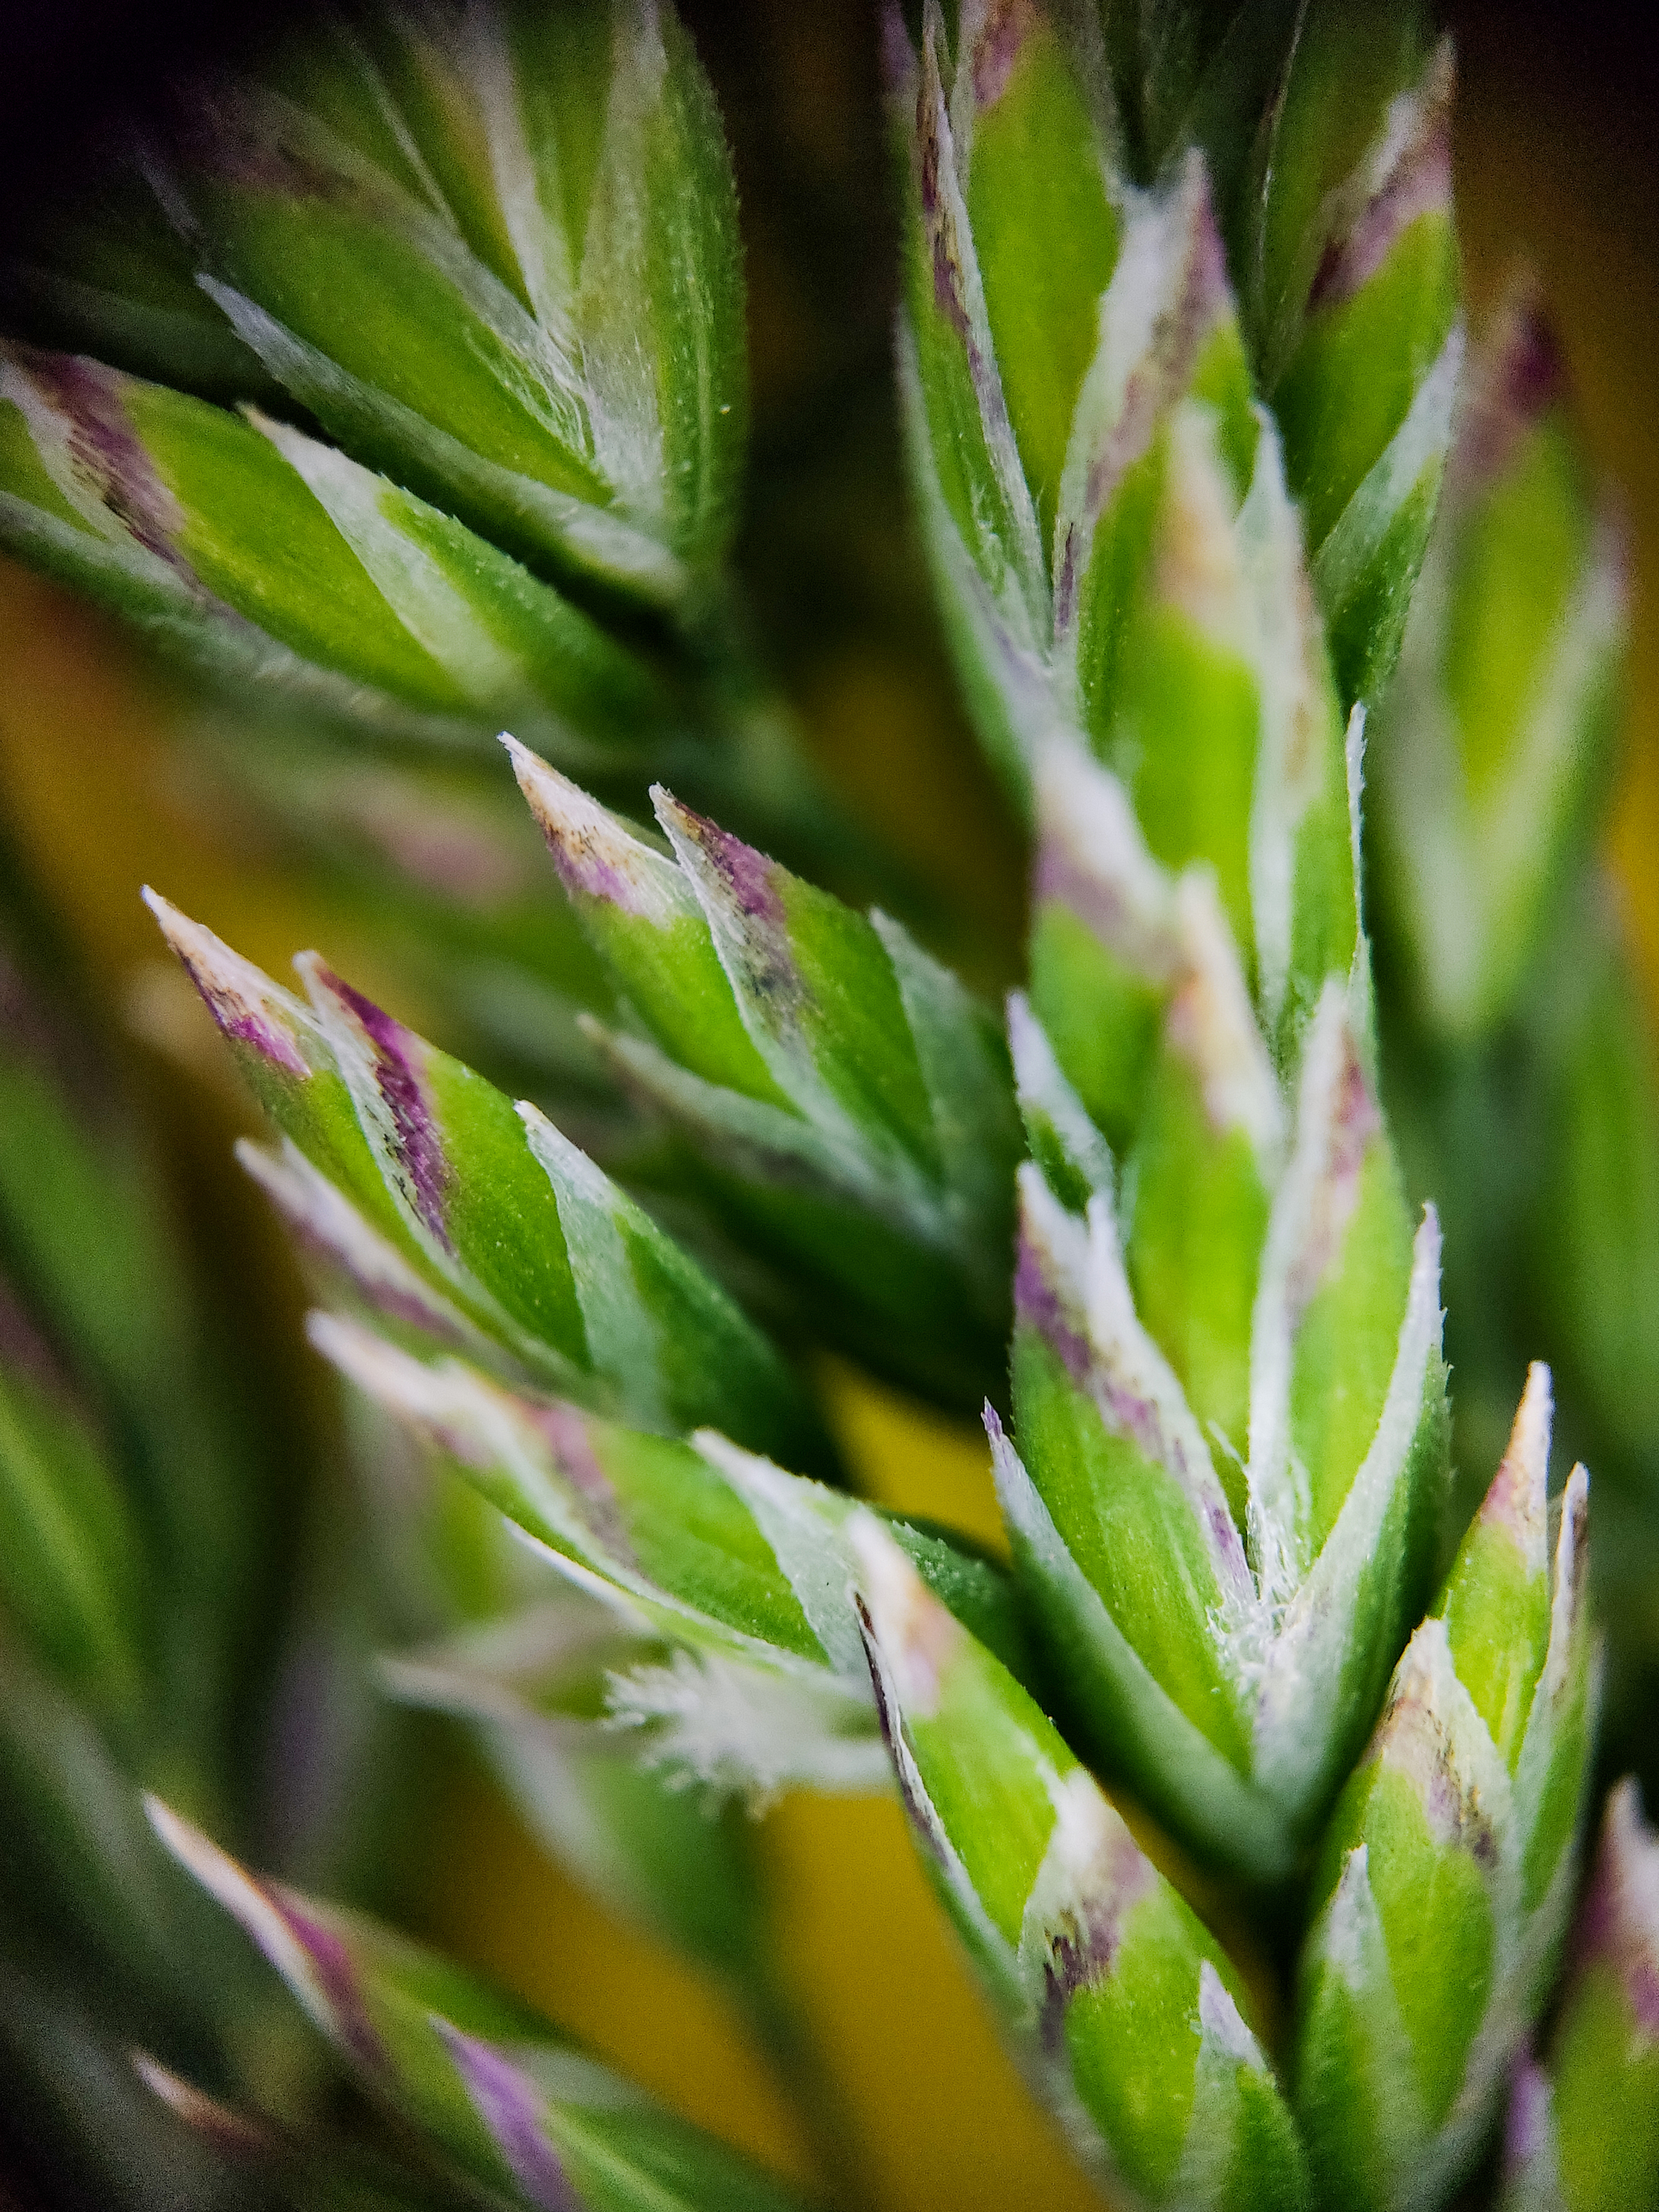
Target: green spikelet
848 1101
1252 1775
1449 1867
1584 2127
1221 213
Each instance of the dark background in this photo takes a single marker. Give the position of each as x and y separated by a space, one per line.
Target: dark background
69 62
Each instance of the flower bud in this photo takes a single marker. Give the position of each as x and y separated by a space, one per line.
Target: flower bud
1589 2124
846 1100
1449 1869
449 1208
1229 1393
1079 371
494 251
258 553
511 2108
1132 2016
1494 736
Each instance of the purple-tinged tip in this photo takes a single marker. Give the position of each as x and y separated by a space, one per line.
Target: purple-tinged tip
898 55
513 2112
232 128
1413 179
1092 859
311 1958
1174 250
107 458
596 857
1048 1295
1517 1500
1338 1119
1212 1024
1529 2124
1518 374
1093 1875
741 893
1619 1924
1070 1287
935 157
1418 1738
747 878
398 1059
249 1008
481 1424
570 1439
996 47
336 1974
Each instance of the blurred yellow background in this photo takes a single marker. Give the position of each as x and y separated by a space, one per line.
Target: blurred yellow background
935 2117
